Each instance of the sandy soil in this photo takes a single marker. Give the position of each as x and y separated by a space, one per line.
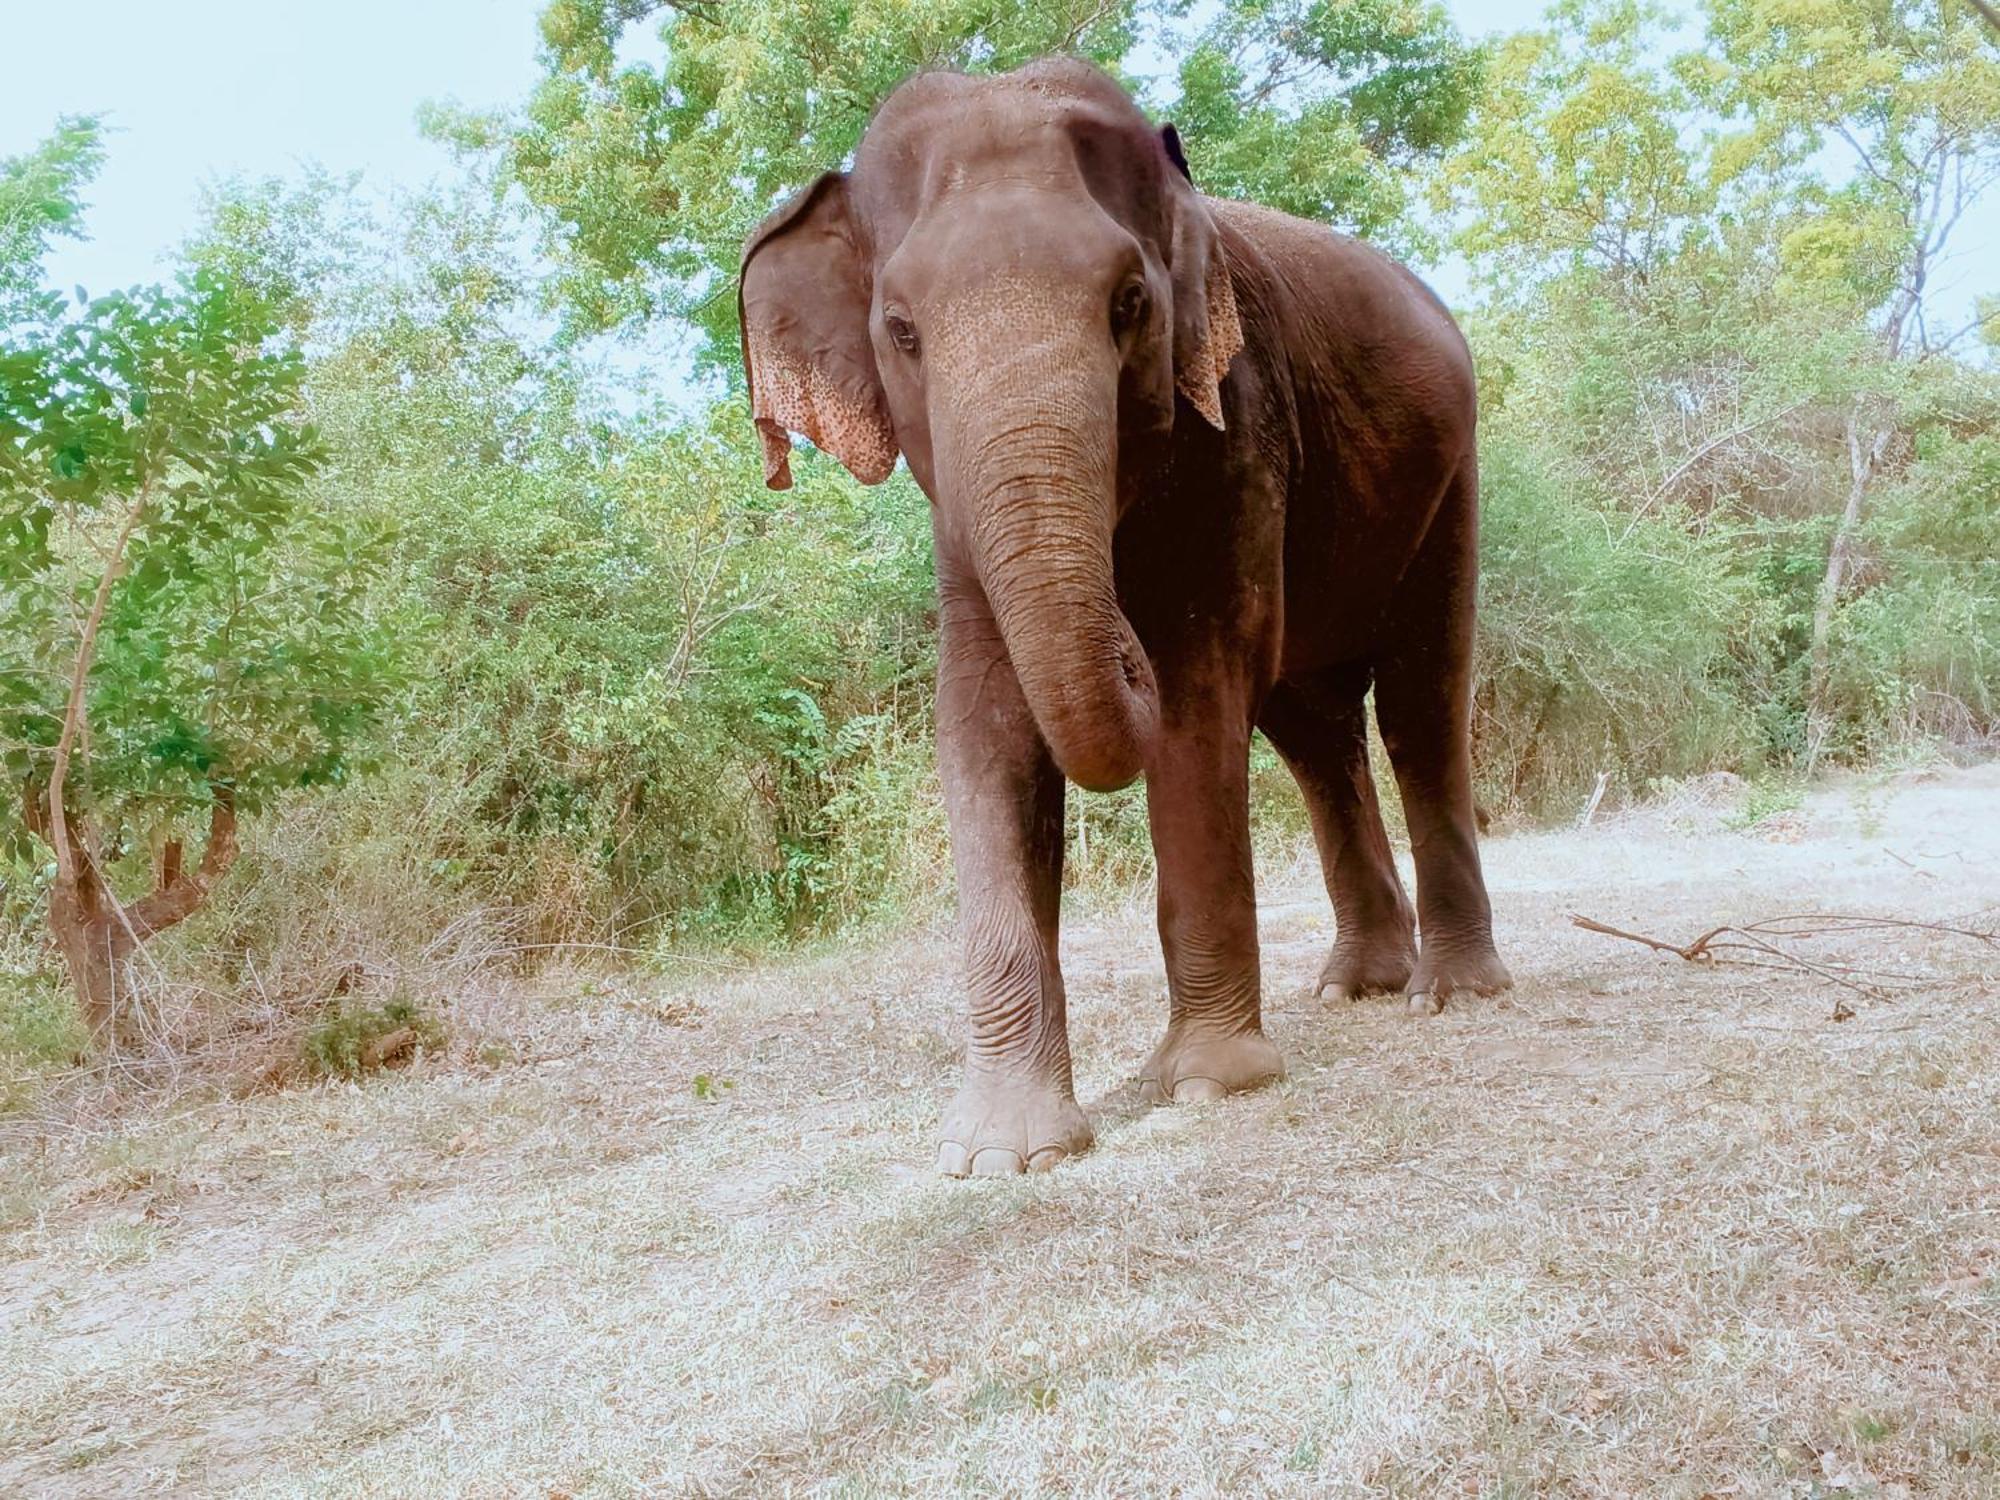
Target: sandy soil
1640 1227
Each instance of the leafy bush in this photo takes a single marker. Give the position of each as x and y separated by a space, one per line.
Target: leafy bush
1607 642
654 677
354 1040
1918 652
39 1025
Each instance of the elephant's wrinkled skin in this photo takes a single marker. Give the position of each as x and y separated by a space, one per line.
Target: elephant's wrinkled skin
1195 466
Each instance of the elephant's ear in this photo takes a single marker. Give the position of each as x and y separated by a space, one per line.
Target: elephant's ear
803 307
1207 333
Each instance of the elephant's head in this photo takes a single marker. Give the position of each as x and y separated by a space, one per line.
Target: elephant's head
1009 288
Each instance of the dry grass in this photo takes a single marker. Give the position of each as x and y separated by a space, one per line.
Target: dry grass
1640 1228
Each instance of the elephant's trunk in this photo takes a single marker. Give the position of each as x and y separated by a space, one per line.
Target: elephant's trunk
1042 510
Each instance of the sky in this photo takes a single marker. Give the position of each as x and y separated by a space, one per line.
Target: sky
201 90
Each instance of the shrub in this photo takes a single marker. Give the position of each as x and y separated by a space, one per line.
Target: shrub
1917 653
1608 642
353 1040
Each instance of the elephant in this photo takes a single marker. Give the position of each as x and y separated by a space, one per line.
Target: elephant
1196 467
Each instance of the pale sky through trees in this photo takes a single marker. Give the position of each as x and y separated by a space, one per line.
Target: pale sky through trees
217 88
203 91
220 87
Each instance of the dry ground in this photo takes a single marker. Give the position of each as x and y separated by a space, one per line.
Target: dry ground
1639 1228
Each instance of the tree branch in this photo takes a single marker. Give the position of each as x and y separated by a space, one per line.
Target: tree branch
1765 940
1681 469
178 893
73 712
1944 345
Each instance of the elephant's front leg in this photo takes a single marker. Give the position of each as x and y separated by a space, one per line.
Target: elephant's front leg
1017 1110
1198 801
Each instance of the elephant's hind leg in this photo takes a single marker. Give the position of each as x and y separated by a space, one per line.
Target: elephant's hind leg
1318 726
1017 1109
1423 702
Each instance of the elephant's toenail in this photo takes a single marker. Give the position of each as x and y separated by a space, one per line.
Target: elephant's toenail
951 1160
1426 1004
1047 1159
996 1161
1198 1091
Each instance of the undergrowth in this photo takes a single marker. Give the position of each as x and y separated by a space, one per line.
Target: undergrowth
356 1039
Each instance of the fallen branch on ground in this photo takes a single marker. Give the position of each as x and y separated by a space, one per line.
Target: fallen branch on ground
1756 945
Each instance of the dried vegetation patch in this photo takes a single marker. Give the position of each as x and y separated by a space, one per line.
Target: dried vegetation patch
1643 1227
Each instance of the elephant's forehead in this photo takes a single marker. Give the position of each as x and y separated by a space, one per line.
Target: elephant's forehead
943 133
1050 87
1037 313
939 130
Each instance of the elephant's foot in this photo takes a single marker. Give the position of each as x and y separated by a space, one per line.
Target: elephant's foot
1002 1126
1195 1063
1447 969
1379 967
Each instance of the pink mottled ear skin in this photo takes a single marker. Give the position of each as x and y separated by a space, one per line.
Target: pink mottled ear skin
804 310
788 394
1199 372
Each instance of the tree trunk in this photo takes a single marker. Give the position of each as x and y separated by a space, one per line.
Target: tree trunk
1864 456
95 946
98 936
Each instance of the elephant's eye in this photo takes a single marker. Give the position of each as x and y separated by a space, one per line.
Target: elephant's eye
1128 308
902 332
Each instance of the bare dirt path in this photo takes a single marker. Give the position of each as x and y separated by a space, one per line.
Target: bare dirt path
1638 1228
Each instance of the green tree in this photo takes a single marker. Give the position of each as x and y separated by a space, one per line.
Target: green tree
1707 308
41 200
651 163
651 169
181 635
1325 108
1911 89
1586 155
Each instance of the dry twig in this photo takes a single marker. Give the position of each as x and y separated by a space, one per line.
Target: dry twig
1757 945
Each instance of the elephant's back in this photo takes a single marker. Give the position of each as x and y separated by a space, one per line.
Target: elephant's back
1385 407
1360 330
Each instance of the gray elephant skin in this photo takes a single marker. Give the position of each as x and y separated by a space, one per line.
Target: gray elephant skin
1195 467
